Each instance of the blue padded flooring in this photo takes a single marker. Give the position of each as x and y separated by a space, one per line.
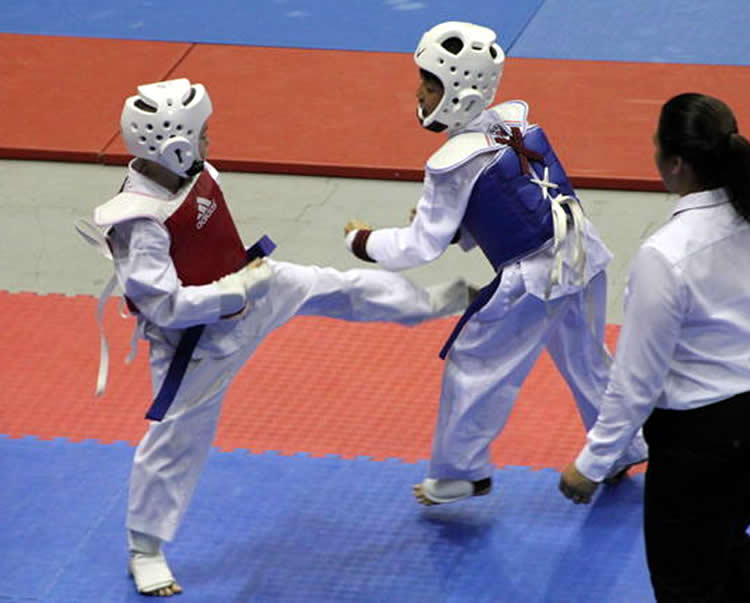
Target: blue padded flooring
374 25
669 31
271 528
646 31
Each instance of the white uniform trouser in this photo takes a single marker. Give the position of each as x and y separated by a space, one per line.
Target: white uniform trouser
171 456
494 353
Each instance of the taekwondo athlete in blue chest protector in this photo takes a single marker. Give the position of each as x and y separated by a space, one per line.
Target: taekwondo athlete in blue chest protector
496 183
203 309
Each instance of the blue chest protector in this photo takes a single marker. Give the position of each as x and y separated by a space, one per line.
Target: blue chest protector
509 214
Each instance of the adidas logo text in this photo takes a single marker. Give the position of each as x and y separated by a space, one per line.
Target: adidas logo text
206 208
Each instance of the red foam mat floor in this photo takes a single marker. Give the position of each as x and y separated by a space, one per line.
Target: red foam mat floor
333 113
315 386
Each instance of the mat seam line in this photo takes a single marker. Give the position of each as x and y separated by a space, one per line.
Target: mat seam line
95 524
524 28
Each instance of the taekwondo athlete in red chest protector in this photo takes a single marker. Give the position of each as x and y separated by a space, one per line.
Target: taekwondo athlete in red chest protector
204 306
496 183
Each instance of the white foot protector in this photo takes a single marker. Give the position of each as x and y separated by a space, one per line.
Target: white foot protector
444 491
150 572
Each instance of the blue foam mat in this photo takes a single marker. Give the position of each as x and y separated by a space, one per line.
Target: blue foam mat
652 31
382 25
271 528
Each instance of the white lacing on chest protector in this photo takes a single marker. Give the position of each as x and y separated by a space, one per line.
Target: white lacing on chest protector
560 226
578 260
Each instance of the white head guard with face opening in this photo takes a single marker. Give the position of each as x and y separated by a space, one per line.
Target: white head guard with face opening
163 123
468 61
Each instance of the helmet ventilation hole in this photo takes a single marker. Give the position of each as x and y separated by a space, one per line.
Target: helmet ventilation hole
453 45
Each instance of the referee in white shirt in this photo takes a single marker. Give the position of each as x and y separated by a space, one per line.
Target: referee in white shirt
682 368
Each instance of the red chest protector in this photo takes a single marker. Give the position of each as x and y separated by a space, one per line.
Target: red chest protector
205 243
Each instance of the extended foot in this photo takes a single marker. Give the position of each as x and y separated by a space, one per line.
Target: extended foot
152 575
443 491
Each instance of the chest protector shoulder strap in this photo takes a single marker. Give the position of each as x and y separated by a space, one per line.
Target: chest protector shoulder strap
521 201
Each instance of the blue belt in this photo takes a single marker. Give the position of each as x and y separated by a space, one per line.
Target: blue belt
485 295
189 339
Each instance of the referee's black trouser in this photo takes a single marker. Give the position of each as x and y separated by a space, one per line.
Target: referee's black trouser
697 503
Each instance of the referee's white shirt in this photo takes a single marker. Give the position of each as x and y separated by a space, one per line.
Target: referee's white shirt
685 340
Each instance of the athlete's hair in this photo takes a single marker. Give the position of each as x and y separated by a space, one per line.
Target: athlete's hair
703 131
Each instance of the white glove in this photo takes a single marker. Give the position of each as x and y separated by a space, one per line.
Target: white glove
238 288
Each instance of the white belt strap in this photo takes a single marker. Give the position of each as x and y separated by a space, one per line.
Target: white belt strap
96 237
101 378
560 226
579 254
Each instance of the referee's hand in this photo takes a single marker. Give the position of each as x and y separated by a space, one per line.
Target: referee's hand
576 486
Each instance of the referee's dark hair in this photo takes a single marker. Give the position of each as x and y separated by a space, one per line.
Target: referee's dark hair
703 131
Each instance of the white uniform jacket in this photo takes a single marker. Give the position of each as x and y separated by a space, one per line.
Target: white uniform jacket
684 340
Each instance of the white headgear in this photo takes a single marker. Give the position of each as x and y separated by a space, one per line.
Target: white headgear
470 72
163 123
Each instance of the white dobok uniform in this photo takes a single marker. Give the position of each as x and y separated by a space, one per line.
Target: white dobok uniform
170 457
497 347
